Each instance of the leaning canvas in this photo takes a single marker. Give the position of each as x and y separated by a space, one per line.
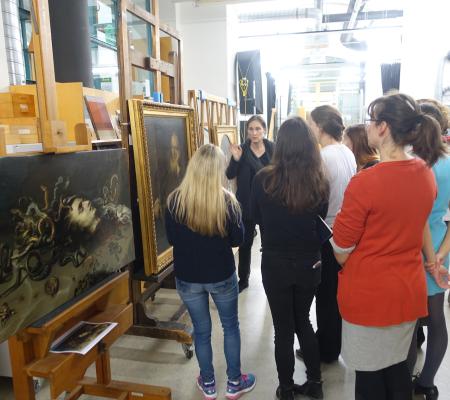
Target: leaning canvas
163 141
100 118
65 225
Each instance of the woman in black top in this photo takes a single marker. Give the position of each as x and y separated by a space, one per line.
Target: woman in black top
247 160
203 223
287 196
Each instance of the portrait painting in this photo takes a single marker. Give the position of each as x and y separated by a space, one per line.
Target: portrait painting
223 136
65 226
163 141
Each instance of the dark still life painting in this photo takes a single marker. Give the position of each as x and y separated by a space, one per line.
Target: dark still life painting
65 225
163 142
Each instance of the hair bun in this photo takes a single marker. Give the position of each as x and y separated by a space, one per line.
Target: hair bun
419 118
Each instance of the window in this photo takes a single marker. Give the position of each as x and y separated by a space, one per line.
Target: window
139 36
26 31
143 82
103 21
103 32
105 70
145 4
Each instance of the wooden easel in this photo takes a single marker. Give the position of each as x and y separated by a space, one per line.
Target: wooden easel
52 130
30 357
209 111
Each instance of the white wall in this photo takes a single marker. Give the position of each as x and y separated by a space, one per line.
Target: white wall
426 42
4 77
167 13
204 35
232 49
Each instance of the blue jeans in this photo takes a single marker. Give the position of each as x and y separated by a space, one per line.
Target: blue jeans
225 295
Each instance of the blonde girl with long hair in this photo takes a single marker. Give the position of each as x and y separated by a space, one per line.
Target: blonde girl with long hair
203 223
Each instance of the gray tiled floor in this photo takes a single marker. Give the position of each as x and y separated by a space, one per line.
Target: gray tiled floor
160 362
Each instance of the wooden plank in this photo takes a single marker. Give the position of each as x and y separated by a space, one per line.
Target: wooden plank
164 330
140 60
116 288
69 149
64 370
55 361
2 141
103 368
75 393
157 47
142 13
124 396
45 72
170 31
124 72
180 72
115 388
21 353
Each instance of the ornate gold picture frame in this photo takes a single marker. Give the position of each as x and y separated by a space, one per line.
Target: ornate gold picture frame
163 142
223 136
219 131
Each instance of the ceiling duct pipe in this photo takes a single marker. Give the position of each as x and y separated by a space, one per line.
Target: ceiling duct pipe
13 42
291 13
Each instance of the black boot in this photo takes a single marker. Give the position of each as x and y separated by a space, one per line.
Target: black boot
285 394
430 392
309 388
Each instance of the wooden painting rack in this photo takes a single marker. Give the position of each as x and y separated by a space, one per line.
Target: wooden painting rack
30 356
146 324
209 111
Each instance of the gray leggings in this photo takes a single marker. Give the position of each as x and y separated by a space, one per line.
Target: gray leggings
436 343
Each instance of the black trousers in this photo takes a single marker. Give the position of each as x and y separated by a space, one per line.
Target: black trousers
329 321
290 284
436 344
245 251
391 383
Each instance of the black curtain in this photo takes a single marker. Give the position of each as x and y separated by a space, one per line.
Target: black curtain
390 77
271 96
249 69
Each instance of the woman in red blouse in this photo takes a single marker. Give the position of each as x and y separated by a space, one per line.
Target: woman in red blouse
378 236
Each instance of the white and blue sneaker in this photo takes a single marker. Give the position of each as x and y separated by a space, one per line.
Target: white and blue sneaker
207 388
236 389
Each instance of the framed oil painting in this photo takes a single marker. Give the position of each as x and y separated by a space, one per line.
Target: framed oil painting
223 136
65 226
163 142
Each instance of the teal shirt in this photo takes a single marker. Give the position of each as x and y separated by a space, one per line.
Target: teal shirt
436 220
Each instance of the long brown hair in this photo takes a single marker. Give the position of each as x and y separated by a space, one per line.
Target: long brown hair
296 177
360 145
409 126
